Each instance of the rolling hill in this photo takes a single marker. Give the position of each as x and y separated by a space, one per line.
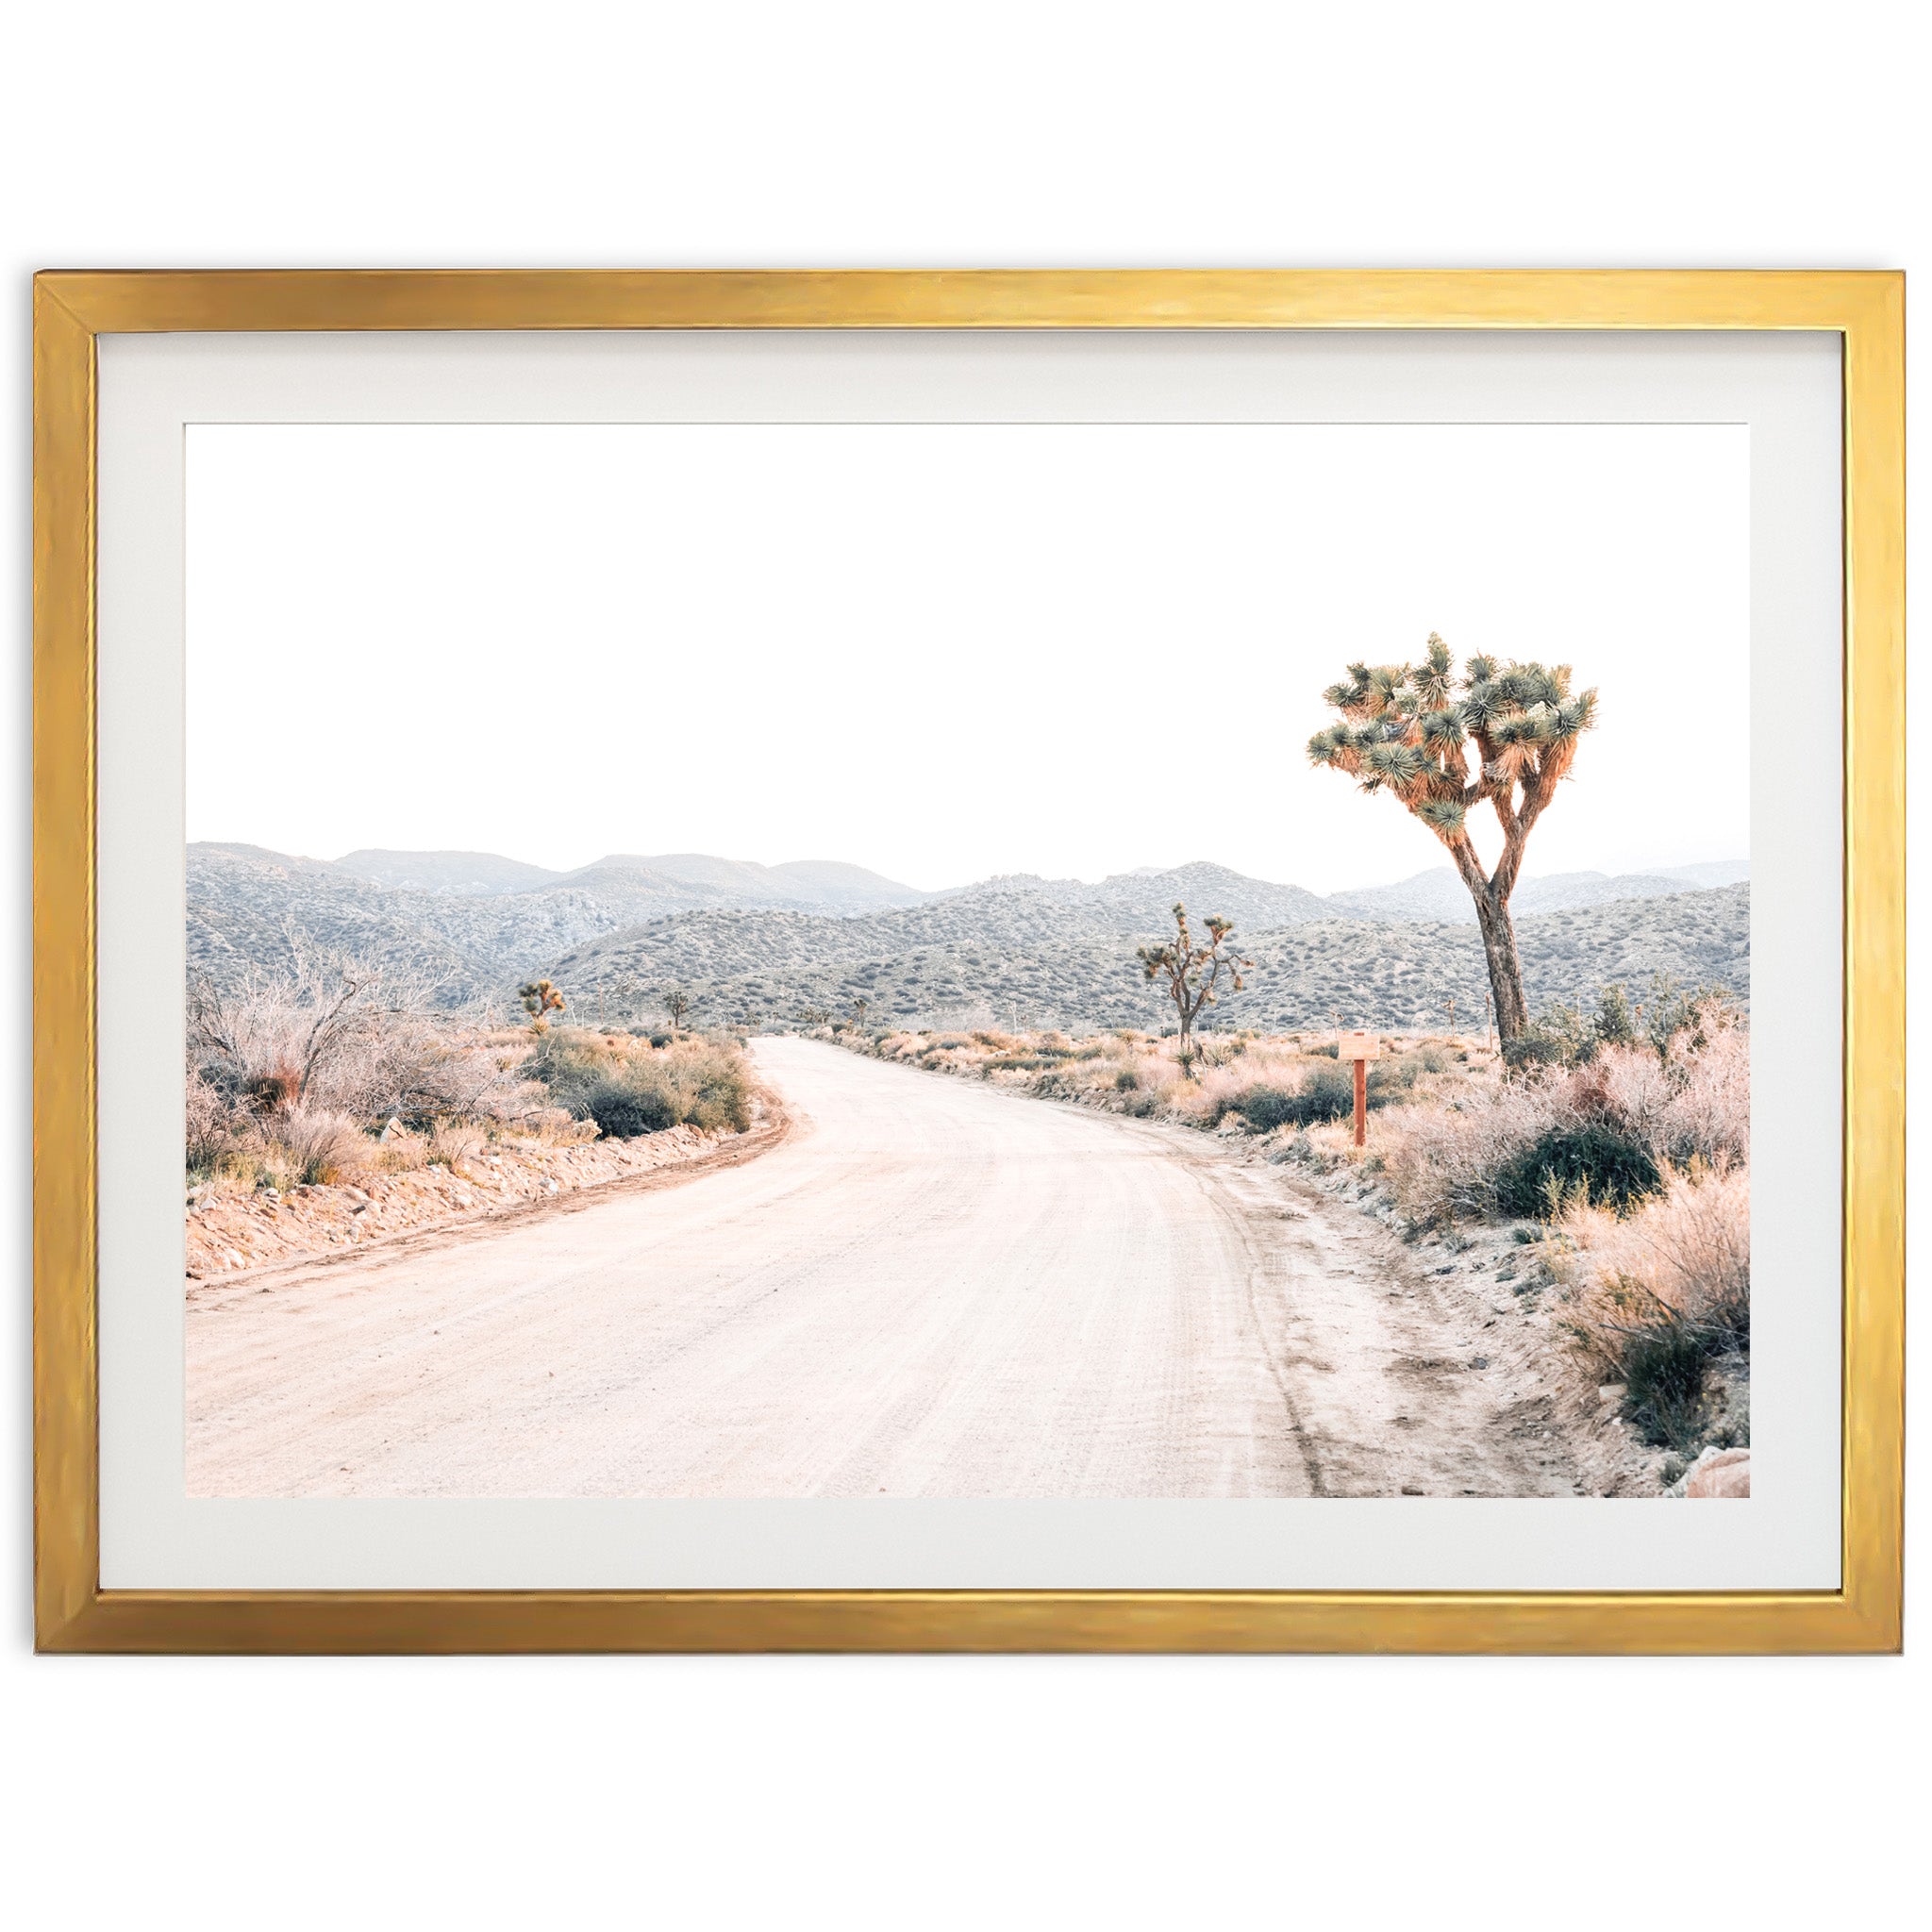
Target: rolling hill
751 942
470 923
1016 957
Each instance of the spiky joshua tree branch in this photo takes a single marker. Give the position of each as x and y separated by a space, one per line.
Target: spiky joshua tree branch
1189 973
1409 729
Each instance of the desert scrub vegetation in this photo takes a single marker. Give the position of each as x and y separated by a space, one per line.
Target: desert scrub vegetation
1616 1151
1606 1117
317 1076
1629 1145
1235 1082
311 1075
628 1087
1659 1299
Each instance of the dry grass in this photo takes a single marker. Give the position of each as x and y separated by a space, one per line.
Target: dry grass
624 1087
1656 1296
1687 1248
1128 1071
1447 1155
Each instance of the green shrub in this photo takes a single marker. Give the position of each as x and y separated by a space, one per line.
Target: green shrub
1125 1080
1328 1095
1538 1045
1613 1168
692 1082
1565 1036
623 1111
1265 1108
1390 1078
1663 1383
1615 1024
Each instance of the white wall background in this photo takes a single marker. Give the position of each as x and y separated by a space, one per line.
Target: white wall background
1358 1792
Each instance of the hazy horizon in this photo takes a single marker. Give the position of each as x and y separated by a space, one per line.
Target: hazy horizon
1655 867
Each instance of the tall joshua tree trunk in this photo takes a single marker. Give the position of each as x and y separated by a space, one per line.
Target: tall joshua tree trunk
1505 970
1492 896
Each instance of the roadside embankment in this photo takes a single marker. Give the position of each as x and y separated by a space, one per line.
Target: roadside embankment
232 1227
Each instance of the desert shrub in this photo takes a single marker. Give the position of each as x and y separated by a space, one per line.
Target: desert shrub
1565 1036
1325 1093
1611 1168
338 1038
1444 1161
660 1040
694 1082
400 1153
212 1128
1659 1295
1540 1044
313 1147
1676 1021
1662 1363
1125 1080
452 1142
1389 1079
1615 1024
1265 1108
569 1063
1694 1106
624 1111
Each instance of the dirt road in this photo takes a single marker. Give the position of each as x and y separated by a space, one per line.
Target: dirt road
931 1289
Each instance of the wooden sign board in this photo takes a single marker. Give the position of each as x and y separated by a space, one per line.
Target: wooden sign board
1357 1047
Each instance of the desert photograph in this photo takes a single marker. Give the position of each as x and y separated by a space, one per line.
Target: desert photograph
987 960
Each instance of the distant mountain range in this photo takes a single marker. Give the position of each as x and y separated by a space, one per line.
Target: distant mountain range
1440 895
753 940
820 885
1016 952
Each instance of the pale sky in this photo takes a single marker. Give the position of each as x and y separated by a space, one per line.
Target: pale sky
941 651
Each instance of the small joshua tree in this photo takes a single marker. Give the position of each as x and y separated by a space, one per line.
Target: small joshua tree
541 999
1188 975
676 1005
1407 729
860 1006
814 1016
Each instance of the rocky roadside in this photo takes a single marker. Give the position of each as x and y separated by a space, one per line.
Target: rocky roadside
231 1229
1496 1274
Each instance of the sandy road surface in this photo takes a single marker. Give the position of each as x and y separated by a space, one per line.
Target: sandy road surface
932 1289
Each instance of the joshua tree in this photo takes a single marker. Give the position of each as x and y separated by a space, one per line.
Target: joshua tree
860 1007
1406 728
541 999
1187 973
814 1016
676 1005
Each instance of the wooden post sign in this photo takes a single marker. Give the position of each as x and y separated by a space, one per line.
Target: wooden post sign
1361 1048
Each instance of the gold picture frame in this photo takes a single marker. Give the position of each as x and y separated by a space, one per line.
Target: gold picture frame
74 1613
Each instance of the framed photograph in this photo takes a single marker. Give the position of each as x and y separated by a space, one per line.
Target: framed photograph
982 961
